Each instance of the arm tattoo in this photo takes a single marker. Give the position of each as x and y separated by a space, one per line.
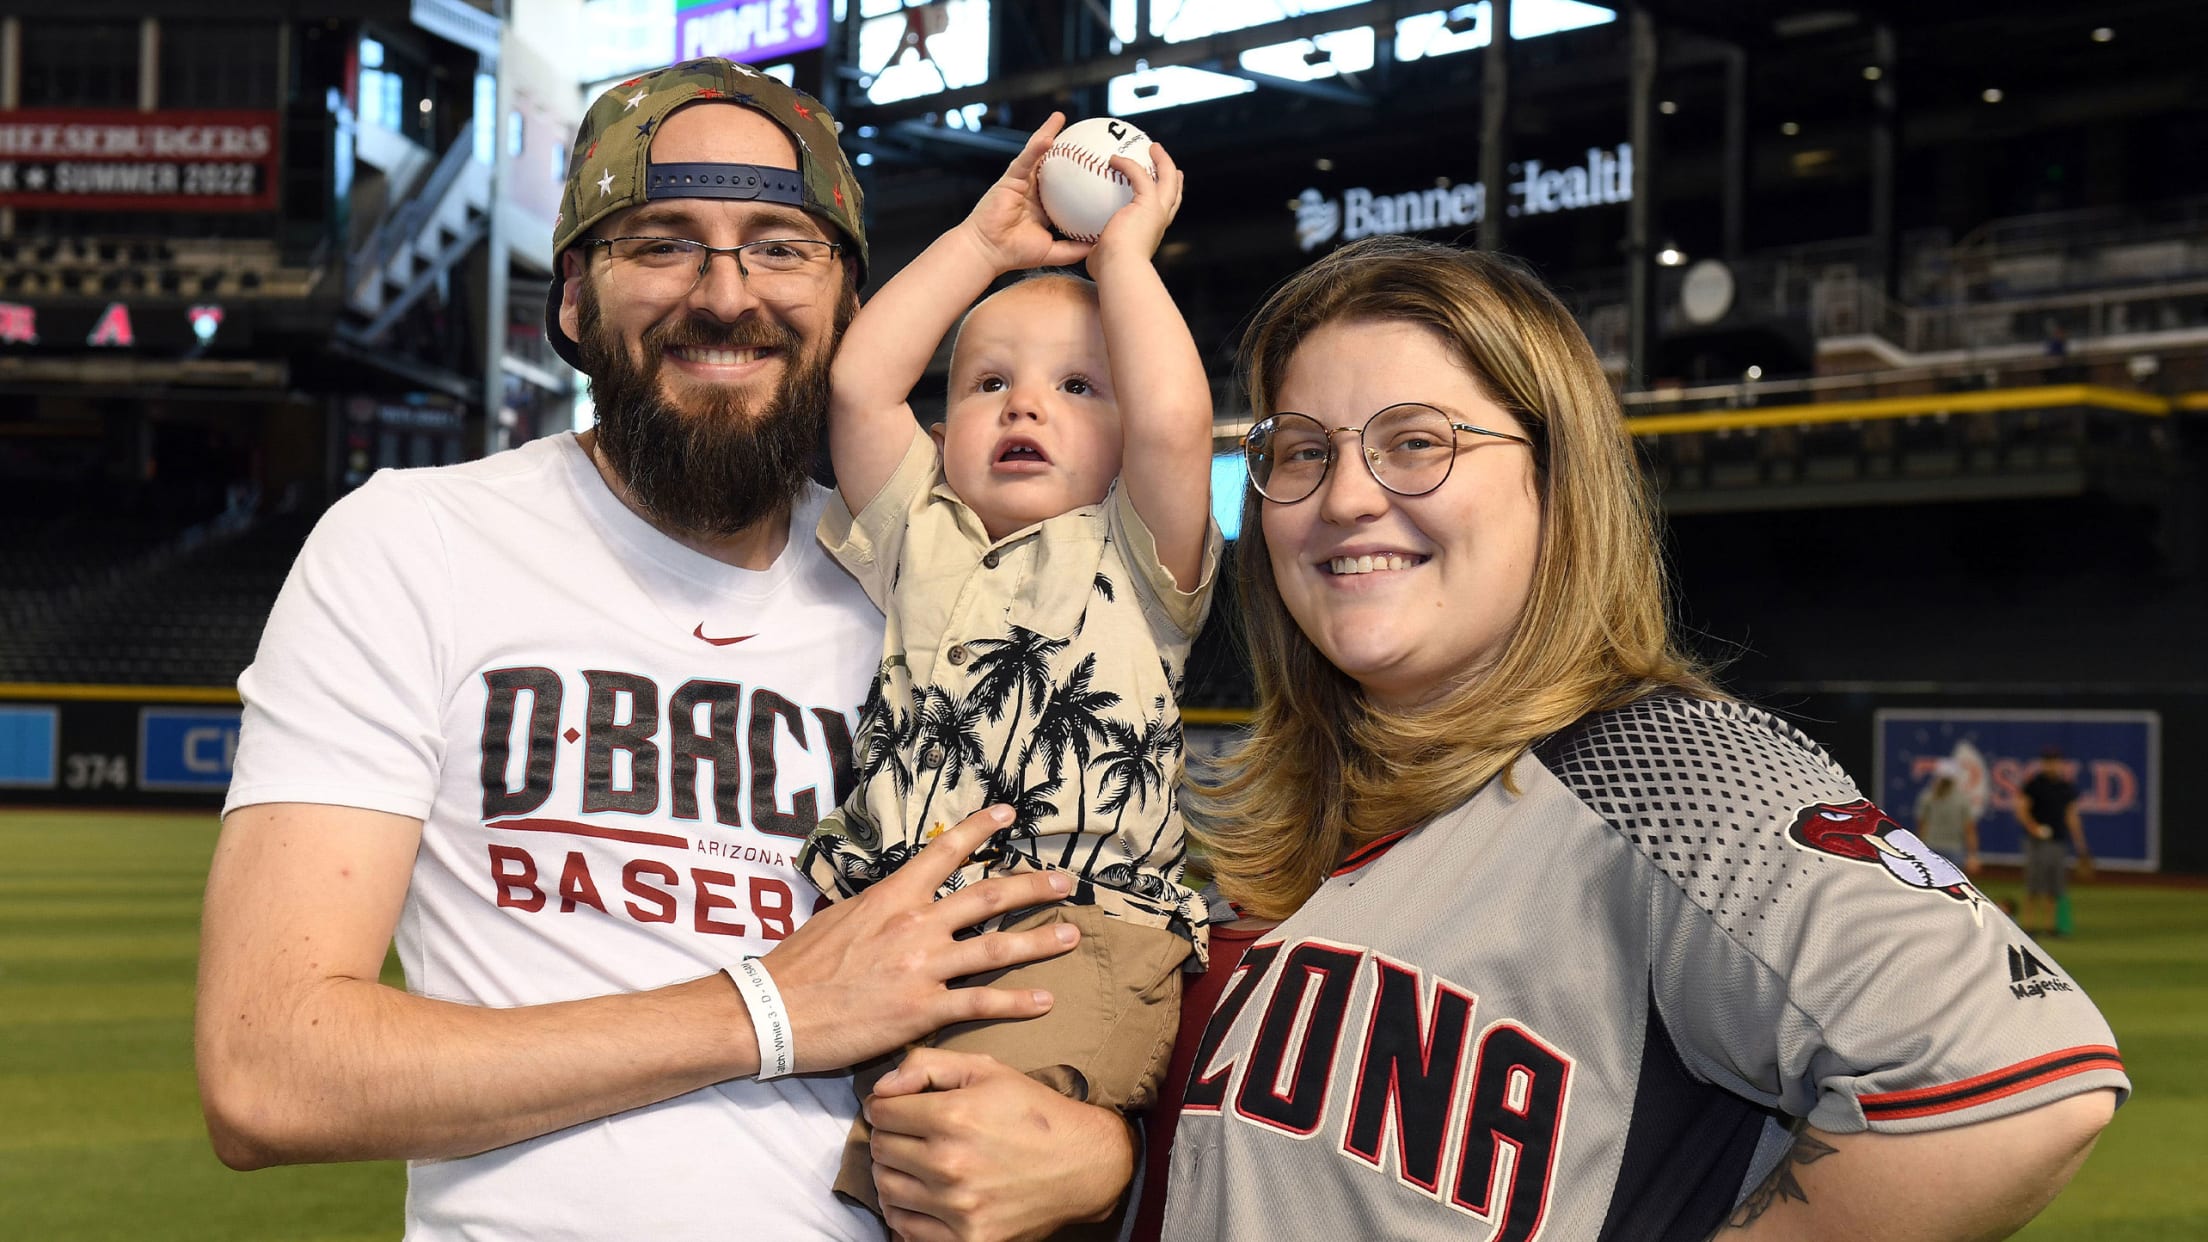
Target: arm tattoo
1782 1184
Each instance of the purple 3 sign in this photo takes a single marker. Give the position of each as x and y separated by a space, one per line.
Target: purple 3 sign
752 31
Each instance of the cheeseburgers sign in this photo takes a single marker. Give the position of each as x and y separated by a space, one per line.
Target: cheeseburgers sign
99 159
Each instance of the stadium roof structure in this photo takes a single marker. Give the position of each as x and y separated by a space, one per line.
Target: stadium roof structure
1941 56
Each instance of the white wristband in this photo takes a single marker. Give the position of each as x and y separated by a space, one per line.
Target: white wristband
770 1021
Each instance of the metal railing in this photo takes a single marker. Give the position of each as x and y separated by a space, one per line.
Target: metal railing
402 224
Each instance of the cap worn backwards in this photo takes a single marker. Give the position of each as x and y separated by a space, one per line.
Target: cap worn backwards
610 167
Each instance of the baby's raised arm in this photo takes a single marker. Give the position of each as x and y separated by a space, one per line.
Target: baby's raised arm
888 345
1164 399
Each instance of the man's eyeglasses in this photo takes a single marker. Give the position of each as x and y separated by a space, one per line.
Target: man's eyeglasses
669 267
1409 448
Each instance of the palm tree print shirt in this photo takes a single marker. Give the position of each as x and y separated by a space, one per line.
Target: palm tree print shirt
1038 670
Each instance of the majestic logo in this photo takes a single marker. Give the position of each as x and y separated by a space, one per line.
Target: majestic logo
699 633
1860 832
2031 978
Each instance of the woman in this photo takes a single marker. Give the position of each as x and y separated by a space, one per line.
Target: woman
1571 947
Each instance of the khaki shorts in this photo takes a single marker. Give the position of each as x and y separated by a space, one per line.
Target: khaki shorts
1115 1009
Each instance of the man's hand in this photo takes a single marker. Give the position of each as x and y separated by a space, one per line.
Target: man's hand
967 1148
1009 227
1134 230
870 975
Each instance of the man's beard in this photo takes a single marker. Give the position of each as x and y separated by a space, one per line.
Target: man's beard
718 463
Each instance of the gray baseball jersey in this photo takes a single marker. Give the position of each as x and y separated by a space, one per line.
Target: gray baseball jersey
1586 1009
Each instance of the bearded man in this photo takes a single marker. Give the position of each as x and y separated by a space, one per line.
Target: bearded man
557 719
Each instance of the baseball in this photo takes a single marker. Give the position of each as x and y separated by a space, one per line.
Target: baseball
1079 186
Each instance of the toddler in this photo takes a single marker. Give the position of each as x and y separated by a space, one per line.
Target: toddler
1044 558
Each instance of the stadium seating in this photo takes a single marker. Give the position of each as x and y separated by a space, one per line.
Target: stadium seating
120 605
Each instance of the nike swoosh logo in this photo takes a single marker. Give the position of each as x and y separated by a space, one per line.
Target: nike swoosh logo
699 633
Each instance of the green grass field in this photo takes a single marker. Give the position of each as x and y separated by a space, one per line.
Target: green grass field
100 1135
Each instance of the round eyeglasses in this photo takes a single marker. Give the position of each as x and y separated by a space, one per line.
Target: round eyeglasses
669 267
1409 448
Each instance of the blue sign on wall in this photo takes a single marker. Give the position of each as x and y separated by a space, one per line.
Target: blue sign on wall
186 747
29 747
2114 759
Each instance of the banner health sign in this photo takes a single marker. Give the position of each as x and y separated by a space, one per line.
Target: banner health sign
2114 759
752 31
1601 179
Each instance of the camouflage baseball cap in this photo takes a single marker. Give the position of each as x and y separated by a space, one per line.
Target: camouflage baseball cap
610 166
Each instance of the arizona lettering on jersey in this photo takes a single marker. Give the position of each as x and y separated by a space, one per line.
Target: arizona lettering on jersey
1586 1003
1470 1121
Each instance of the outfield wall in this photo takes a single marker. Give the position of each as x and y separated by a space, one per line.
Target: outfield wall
171 747
2167 809
2132 752
116 746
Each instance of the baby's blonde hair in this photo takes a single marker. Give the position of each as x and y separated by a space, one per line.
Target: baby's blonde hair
1071 282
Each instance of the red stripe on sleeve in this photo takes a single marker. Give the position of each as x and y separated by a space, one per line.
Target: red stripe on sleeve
1987 1087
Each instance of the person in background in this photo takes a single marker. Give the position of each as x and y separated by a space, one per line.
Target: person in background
2047 807
1945 820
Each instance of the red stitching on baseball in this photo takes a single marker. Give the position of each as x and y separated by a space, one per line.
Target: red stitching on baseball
1088 160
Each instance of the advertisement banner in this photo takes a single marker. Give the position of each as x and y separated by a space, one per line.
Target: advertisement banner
1602 178
107 746
182 748
117 159
752 31
29 757
2113 758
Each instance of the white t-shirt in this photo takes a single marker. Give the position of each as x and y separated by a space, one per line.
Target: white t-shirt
616 746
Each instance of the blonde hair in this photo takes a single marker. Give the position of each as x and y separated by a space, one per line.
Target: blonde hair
1068 282
1325 770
